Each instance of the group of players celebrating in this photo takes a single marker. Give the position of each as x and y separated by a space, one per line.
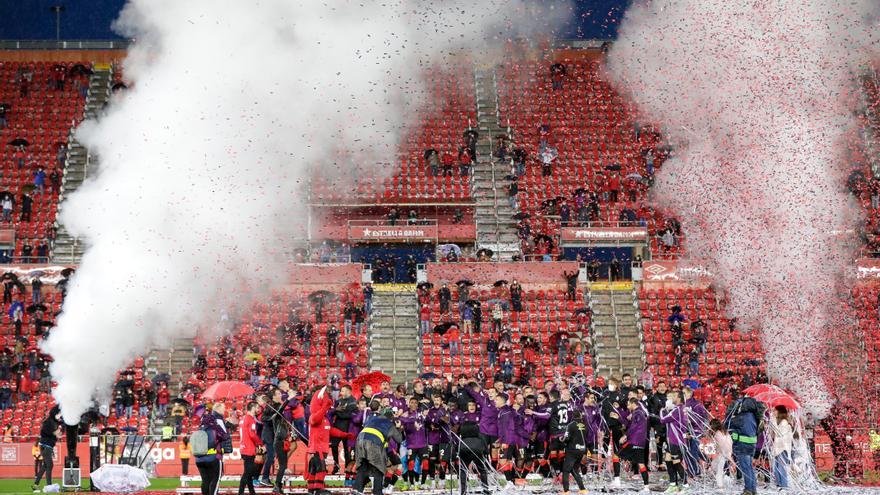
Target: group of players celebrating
561 431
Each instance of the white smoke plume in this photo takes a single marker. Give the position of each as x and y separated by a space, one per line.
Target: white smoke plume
760 94
203 163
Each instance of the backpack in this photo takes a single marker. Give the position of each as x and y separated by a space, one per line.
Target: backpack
202 441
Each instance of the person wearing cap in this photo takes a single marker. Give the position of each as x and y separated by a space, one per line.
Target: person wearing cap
370 451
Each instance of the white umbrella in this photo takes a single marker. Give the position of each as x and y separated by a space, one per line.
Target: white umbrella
120 478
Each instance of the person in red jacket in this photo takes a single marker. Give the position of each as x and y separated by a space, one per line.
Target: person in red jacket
250 446
320 432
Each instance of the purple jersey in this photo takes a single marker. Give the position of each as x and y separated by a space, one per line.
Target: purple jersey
356 425
636 424
488 413
510 426
541 418
437 421
414 426
676 425
593 421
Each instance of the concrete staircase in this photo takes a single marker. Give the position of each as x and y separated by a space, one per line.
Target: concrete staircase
617 339
69 249
176 360
496 228
393 335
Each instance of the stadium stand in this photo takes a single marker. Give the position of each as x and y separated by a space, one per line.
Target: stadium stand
43 102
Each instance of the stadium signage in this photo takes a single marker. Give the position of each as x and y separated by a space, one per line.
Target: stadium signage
604 234
868 268
384 233
673 271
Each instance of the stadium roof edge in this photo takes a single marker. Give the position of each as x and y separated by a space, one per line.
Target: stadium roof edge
64 45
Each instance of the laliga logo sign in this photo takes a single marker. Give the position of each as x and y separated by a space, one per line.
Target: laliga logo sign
159 454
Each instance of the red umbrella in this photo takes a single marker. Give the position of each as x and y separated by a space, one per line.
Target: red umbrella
772 396
373 379
227 390
760 388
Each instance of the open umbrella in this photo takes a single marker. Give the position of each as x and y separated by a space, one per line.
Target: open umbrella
499 283
425 285
613 167
181 401
556 337
522 216
80 69
442 328
485 252
546 239
227 390
67 272
374 379
582 311
635 176
19 142
118 86
161 377
322 295
446 248
37 273
676 309
428 376
465 281
9 276
33 308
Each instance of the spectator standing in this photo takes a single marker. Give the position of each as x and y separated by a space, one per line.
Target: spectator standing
515 296
359 319
348 358
251 446
40 181
348 317
571 280
453 338
36 290
492 350
497 317
512 191
424 320
27 205
467 318
444 295
163 397
783 437
7 208
368 298
332 340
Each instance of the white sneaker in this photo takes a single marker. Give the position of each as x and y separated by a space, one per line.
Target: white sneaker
616 483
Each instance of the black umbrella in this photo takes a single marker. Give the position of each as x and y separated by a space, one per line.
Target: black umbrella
80 69
615 167
464 281
19 142
181 401
428 376
485 252
426 285
9 276
118 86
124 384
444 327
548 203
676 309
33 308
522 216
545 237
322 295
582 311
67 272
161 377
473 303
499 283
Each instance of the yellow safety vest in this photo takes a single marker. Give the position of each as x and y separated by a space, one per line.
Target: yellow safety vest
377 433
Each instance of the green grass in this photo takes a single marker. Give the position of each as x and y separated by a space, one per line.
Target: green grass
23 486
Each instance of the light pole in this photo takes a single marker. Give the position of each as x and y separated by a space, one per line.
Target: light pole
57 9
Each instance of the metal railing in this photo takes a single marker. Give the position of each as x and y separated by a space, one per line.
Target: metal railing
65 45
